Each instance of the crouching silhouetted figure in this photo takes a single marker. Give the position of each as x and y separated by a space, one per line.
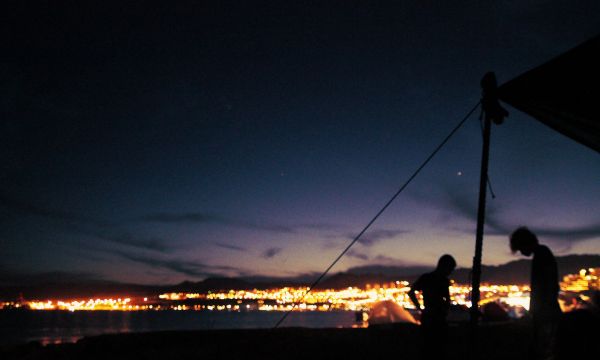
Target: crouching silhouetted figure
543 306
436 298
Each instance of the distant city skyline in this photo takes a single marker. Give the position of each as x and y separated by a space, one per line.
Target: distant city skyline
156 143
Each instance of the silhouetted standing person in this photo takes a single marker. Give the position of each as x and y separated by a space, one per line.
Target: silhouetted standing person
543 306
434 287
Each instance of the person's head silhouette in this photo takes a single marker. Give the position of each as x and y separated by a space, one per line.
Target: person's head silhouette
523 240
446 264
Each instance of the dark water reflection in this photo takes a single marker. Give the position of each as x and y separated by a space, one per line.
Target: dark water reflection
49 327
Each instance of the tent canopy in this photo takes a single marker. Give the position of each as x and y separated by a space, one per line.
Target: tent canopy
563 93
387 312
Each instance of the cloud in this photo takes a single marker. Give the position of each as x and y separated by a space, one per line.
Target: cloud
458 210
357 255
271 252
464 205
80 224
28 209
195 217
319 226
569 234
186 267
208 218
388 260
117 235
371 238
10 277
396 269
230 247
124 238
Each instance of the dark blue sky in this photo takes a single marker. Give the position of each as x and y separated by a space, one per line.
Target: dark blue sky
163 142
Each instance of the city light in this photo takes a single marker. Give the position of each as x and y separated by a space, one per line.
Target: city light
284 299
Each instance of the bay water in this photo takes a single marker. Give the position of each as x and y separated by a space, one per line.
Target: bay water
53 327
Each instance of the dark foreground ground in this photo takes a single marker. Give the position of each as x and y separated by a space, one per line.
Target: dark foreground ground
580 339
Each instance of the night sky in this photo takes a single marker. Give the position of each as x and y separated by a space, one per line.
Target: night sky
160 142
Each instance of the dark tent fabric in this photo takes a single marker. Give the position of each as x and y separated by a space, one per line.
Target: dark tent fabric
563 93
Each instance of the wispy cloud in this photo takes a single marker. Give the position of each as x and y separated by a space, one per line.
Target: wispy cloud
195 217
373 237
81 224
28 209
271 252
388 260
318 226
357 255
186 267
230 247
209 218
125 238
10 277
464 205
570 234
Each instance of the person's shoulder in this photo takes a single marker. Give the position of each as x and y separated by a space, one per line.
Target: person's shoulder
423 278
543 251
428 275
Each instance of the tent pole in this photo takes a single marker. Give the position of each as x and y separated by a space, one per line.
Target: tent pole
476 275
476 279
491 111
